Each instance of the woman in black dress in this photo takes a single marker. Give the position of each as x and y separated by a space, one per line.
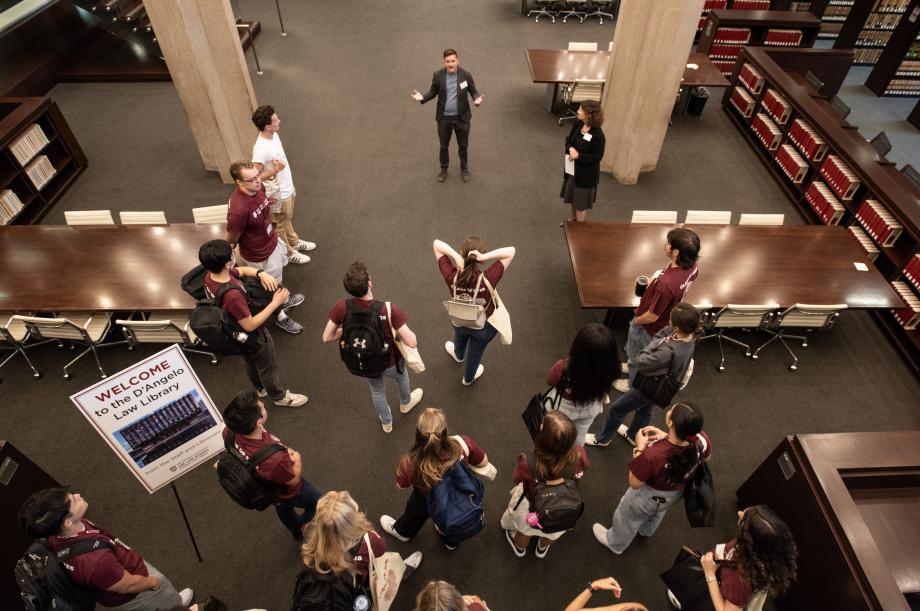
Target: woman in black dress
585 146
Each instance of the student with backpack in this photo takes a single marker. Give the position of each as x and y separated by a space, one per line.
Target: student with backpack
471 287
277 468
259 356
336 558
363 328
545 501
438 469
84 564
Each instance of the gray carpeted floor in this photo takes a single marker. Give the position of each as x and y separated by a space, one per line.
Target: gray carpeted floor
364 161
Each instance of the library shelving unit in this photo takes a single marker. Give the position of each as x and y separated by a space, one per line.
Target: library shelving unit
897 71
833 14
870 26
727 31
749 5
831 173
39 158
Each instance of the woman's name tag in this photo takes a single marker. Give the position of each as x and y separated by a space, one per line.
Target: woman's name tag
587 137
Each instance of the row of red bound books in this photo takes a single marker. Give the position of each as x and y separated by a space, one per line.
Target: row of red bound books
823 202
878 222
840 177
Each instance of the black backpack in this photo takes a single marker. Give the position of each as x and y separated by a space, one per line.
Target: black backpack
218 329
43 582
237 475
363 346
258 298
326 592
558 505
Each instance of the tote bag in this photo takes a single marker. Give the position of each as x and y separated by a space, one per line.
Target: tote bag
537 407
410 356
687 582
386 574
500 318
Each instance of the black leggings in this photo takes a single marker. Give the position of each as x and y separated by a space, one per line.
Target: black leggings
414 517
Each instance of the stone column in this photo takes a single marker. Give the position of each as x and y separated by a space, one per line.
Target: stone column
650 47
202 50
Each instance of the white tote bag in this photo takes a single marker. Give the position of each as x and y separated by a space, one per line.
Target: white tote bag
386 574
411 356
500 318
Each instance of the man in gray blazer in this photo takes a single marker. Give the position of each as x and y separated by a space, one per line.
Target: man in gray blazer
451 85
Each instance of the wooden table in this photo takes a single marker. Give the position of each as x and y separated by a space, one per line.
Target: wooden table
739 264
124 267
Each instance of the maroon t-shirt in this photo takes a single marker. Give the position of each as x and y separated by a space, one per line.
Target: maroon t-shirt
337 315
522 472
361 557
733 582
651 465
250 223
406 465
101 569
555 376
234 302
663 293
484 298
278 468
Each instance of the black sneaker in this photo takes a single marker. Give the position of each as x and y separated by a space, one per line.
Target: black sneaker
465 175
519 552
442 176
289 325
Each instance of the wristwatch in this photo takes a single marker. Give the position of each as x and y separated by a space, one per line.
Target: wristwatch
710 579
591 587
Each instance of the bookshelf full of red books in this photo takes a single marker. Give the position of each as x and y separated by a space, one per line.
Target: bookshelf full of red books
831 173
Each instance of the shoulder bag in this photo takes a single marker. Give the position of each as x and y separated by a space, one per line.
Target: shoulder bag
411 356
500 318
687 583
489 471
541 403
463 310
700 495
386 573
661 388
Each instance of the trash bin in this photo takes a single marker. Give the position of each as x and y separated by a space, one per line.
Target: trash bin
698 97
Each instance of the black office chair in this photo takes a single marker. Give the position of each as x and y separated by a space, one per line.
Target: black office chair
881 144
840 106
912 175
813 79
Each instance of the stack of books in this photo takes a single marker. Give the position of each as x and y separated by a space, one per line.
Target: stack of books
777 106
909 317
766 131
878 222
890 6
912 271
840 177
40 171
751 5
778 37
726 45
824 203
792 163
29 144
743 102
751 78
865 241
710 5
807 140
10 206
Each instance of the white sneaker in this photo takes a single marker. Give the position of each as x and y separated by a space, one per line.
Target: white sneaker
621 385
262 393
304 246
624 368
591 440
389 527
414 399
187 595
478 375
291 399
600 533
296 257
387 428
449 346
623 431
411 561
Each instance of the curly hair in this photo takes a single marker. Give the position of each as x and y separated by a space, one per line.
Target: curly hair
594 115
262 117
766 550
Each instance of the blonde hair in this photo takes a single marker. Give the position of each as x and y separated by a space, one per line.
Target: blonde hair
336 528
439 596
434 452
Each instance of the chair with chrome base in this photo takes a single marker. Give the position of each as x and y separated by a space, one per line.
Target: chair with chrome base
544 9
16 334
89 330
801 316
172 331
732 316
578 92
599 6
569 10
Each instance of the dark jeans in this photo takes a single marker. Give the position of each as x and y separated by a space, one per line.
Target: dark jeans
414 517
470 344
306 500
445 126
632 401
261 368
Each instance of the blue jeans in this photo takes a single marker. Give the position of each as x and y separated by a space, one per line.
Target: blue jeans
632 401
639 512
470 344
379 391
637 338
306 500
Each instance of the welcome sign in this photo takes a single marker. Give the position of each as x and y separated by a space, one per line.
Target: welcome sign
156 416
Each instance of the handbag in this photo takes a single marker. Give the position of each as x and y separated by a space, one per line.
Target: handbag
537 407
700 495
386 573
687 582
410 356
661 388
500 318
463 310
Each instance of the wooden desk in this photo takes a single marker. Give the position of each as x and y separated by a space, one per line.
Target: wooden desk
124 267
852 501
739 264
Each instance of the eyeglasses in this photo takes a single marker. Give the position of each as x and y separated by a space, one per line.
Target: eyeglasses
253 179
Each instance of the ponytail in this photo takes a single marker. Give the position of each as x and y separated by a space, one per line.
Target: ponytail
687 421
467 278
434 451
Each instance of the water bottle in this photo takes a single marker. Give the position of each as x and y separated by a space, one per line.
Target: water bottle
362 603
240 336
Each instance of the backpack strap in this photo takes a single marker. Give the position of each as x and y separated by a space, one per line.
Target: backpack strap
399 360
454 285
83 546
264 453
224 289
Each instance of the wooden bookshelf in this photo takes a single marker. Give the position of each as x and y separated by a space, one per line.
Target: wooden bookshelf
897 71
831 173
726 31
39 158
869 27
750 5
833 14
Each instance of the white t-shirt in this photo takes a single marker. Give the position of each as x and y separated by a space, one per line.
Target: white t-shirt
264 151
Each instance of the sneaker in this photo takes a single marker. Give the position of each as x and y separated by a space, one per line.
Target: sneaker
591 440
387 427
187 595
540 552
624 368
520 552
304 246
291 399
449 547
389 527
442 176
289 325
414 399
293 301
262 393
606 399
298 257
623 431
449 346
478 375
465 175
412 561
600 533
621 385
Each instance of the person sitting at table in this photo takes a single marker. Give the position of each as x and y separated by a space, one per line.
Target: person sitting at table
584 149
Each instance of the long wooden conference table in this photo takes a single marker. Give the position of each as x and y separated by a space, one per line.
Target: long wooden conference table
739 264
85 268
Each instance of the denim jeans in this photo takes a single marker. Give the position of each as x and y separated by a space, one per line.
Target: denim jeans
640 511
637 338
470 344
379 391
306 500
632 401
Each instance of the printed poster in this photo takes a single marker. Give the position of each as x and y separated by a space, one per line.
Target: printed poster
156 416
